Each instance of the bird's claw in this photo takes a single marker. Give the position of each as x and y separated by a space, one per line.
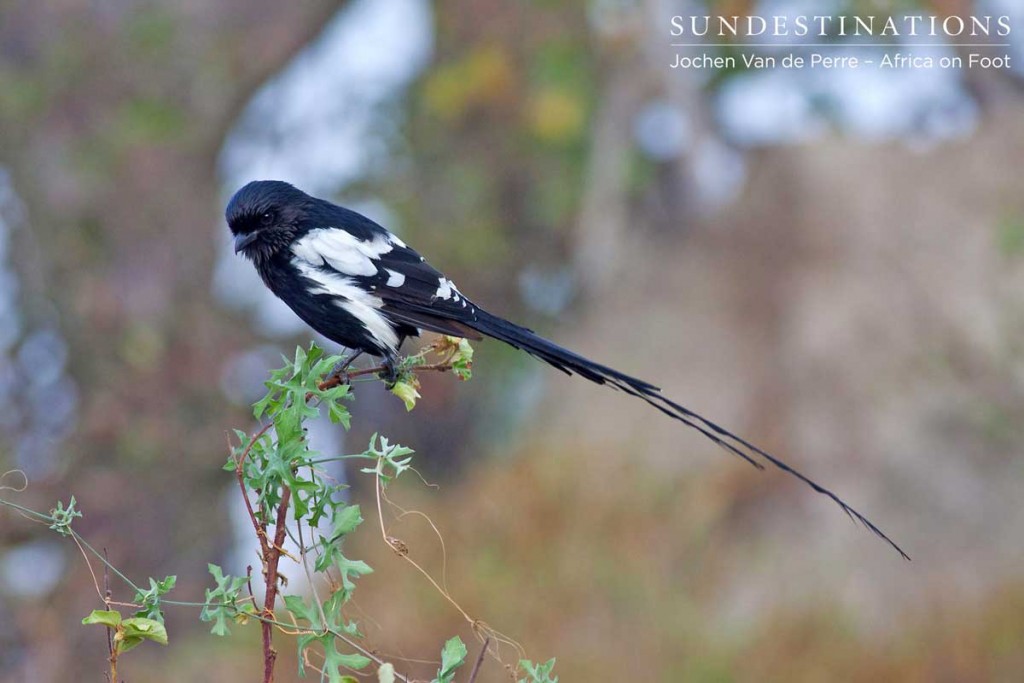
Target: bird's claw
389 374
340 369
340 372
341 376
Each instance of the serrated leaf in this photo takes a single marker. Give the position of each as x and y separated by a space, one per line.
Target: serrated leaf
64 516
344 520
302 642
300 609
334 660
150 599
339 414
538 673
222 601
259 408
335 619
462 360
321 501
346 567
453 655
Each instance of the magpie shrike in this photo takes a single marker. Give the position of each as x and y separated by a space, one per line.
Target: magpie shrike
362 287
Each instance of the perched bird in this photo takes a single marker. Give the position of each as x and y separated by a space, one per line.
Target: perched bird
362 287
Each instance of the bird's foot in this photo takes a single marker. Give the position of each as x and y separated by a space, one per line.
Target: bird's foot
340 369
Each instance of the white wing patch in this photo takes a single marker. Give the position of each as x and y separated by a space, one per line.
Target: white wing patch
343 251
353 299
447 290
444 290
395 279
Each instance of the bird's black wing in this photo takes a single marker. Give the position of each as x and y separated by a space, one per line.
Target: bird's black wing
413 293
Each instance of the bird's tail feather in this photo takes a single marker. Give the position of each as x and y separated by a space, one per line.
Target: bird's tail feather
572 363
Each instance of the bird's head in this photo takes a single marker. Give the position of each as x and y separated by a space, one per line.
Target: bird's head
265 216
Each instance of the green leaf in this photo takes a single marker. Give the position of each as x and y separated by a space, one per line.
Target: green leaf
348 568
339 414
303 642
137 629
344 520
317 502
453 655
63 516
407 392
538 673
128 633
387 456
462 361
334 660
108 618
301 610
150 599
352 661
260 407
222 601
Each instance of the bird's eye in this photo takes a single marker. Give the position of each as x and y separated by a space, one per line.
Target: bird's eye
267 218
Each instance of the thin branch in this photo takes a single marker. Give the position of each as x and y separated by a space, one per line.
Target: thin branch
302 630
248 581
479 660
95 581
107 595
398 547
117 572
309 576
239 474
271 558
345 377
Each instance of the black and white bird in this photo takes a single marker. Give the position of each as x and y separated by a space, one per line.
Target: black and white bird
360 286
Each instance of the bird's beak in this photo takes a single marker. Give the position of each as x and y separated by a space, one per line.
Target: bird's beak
242 241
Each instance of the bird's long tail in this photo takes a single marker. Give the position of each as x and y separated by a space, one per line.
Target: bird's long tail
572 363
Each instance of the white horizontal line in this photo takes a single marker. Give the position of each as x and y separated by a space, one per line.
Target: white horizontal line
890 45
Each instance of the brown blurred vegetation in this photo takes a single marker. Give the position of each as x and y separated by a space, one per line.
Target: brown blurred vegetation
857 309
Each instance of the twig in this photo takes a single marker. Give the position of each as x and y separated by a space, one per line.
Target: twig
107 595
271 558
95 553
477 625
248 580
479 660
344 377
270 554
309 577
92 572
110 636
300 630
261 532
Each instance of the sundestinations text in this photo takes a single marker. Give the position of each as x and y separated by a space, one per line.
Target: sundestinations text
831 26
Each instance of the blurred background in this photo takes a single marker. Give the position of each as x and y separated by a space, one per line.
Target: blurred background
829 263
